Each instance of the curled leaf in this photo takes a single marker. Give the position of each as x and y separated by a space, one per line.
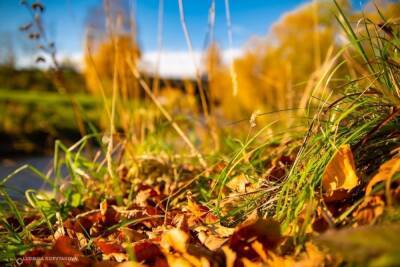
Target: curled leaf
386 172
340 173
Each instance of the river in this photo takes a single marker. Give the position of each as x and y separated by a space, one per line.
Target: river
26 179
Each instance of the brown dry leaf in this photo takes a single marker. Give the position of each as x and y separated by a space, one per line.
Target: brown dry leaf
199 213
146 251
386 172
369 210
223 231
212 242
279 168
118 257
131 235
175 238
340 173
266 231
141 197
65 245
107 247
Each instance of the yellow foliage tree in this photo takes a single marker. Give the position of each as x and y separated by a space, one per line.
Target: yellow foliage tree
273 72
109 60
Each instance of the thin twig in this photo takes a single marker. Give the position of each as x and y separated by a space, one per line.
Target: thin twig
156 81
391 116
232 70
203 98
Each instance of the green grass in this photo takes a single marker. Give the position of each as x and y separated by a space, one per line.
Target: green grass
364 117
363 114
29 111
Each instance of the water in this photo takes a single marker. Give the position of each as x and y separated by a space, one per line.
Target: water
26 179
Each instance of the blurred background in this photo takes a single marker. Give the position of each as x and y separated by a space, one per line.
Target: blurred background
211 64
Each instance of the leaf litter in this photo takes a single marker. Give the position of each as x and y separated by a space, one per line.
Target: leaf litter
162 225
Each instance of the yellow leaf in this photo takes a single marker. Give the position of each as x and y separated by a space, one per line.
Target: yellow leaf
193 260
211 241
129 264
248 263
279 261
340 173
175 238
259 249
177 261
230 256
386 172
238 183
313 256
204 262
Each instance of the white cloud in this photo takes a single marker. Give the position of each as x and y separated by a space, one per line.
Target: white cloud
179 63
173 64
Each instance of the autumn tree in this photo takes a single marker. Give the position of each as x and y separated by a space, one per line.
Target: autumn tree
270 71
110 43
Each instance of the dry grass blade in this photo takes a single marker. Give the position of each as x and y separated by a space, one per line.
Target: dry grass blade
166 114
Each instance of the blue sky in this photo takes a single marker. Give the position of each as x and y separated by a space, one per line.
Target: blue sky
65 21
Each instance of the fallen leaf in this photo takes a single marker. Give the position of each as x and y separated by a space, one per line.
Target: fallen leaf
313 257
129 264
109 247
81 239
103 207
65 245
258 247
130 235
369 210
340 173
212 242
248 263
266 231
386 172
279 168
118 257
174 261
275 260
238 183
230 256
175 238
146 251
